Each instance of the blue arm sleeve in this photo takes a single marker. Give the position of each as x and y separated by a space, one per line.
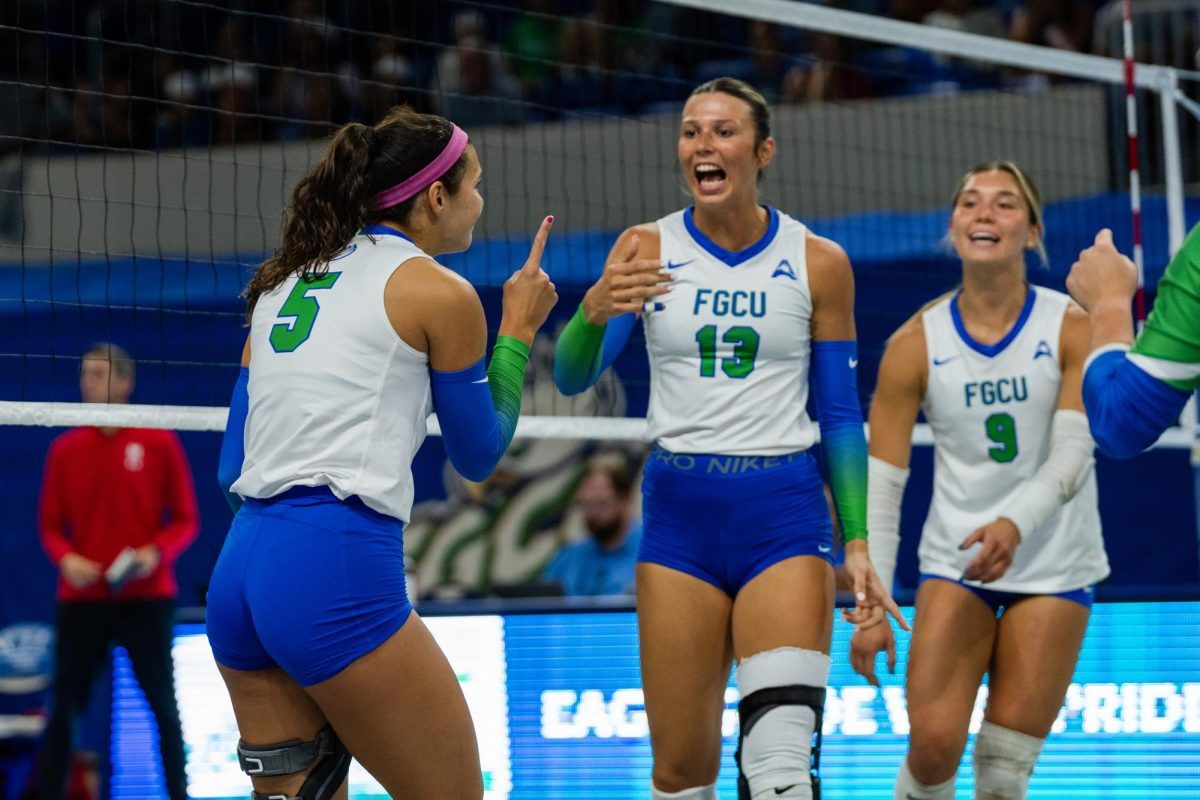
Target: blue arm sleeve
584 350
616 334
478 409
834 384
1127 409
233 444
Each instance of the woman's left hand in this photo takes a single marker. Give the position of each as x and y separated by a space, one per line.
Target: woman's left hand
869 591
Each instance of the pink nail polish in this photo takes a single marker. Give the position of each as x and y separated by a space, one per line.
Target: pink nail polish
550 218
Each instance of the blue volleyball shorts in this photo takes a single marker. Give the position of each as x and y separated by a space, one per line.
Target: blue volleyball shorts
998 600
308 583
724 519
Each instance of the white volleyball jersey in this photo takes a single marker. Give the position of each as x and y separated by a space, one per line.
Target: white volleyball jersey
990 409
729 345
337 399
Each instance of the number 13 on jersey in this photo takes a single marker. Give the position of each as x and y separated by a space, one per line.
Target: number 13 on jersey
287 335
745 349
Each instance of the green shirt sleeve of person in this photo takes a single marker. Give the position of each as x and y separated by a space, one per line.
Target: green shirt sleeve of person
1169 346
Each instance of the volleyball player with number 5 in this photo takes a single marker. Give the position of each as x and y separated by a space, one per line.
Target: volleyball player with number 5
356 334
1011 548
744 310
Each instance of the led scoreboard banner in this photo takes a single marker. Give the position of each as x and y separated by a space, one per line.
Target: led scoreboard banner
558 707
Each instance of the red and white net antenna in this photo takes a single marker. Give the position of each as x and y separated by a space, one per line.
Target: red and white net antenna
1135 185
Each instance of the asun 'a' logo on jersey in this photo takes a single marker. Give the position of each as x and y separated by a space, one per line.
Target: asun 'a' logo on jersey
135 457
1043 349
785 270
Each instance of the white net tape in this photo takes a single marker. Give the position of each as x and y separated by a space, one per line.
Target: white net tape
212 418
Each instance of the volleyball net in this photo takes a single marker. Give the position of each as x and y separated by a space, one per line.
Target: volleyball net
148 158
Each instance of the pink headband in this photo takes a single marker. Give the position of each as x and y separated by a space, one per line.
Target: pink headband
427 175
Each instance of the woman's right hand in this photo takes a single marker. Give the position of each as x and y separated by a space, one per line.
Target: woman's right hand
625 285
869 640
529 294
78 571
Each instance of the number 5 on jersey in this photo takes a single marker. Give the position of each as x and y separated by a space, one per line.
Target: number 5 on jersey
287 335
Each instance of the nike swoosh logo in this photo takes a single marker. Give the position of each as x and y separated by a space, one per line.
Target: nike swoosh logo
853 363
824 549
781 789
671 265
481 380
937 362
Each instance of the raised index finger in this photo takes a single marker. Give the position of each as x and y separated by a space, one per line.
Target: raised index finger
534 263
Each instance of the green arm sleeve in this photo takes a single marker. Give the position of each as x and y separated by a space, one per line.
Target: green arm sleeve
1169 346
577 355
506 378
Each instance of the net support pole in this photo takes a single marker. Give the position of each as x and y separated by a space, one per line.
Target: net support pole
1172 165
1135 175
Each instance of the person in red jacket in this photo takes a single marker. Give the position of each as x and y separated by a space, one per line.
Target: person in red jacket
117 509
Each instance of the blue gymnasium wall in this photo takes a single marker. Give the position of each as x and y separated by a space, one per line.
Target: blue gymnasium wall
177 318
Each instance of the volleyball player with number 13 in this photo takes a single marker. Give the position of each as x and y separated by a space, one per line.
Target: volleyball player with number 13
744 310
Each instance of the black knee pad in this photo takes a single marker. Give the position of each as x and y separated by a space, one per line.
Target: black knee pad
751 709
326 751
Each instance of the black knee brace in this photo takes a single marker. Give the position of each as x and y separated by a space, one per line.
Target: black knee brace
331 757
751 709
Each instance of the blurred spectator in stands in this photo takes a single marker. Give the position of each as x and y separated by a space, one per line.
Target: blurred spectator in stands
471 85
533 49
603 563
34 111
969 16
828 76
897 70
764 65
181 120
117 125
231 87
911 10
768 52
392 80
310 86
1065 24
85 116
607 55
111 112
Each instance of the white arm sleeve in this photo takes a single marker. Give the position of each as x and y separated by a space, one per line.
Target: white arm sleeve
885 488
1060 475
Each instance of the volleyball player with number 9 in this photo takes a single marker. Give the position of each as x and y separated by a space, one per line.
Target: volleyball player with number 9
356 333
744 310
1011 548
